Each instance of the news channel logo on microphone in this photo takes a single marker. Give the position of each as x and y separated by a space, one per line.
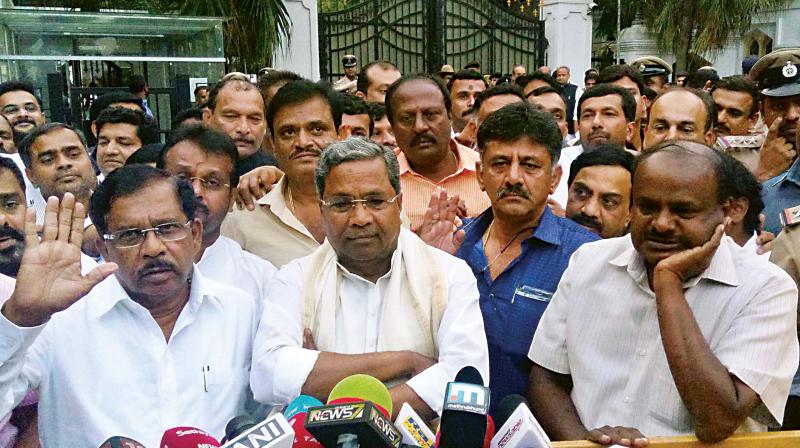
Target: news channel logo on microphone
467 397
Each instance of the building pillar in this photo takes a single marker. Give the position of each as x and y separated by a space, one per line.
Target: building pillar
568 29
301 53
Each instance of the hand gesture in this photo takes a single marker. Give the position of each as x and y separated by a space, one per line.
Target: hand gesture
49 278
438 227
689 263
619 435
255 184
776 154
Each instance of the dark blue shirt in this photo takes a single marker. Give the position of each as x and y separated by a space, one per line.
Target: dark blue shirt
779 193
513 303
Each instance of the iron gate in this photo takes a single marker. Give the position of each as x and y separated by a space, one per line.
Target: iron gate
422 35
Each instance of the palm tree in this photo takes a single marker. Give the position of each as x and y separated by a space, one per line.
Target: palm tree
252 35
686 27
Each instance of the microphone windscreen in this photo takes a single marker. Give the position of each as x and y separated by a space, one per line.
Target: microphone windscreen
302 438
507 406
120 442
238 425
300 404
187 437
469 374
363 388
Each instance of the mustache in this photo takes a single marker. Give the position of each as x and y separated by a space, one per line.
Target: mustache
11 232
423 138
23 119
586 220
248 140
667 238
516 189
157 264
315 151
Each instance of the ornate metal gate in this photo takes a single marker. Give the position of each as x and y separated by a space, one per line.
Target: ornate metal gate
422 35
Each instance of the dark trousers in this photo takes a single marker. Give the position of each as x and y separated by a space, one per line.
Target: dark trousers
791 418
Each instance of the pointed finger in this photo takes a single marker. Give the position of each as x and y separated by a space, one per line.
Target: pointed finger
65 213
775 127
50 226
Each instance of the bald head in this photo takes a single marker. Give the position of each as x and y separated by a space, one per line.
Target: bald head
681 114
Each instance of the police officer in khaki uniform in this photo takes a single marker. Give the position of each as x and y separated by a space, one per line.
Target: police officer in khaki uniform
348 82
655 70
778 77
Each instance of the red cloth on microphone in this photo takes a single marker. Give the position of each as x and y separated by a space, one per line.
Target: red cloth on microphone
302 438
490 430
187 437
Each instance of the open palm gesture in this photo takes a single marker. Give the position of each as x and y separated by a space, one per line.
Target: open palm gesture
49 278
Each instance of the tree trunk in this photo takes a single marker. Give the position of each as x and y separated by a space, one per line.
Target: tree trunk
683 38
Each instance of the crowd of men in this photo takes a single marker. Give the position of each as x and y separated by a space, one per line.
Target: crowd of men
608 251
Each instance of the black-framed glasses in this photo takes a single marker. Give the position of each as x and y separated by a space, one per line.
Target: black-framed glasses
169 231
211 184
344 205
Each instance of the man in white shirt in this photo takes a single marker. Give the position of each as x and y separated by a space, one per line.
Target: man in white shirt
155 346
372 299
207 158
606 114
673 329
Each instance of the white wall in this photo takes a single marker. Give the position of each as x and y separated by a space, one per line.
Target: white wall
568 29
301 53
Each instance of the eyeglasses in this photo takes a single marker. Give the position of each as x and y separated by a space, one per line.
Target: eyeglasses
170 231
342 205
211 184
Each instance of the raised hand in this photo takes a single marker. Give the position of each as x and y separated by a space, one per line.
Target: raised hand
254 184
49 278
776 154
438 227
689 263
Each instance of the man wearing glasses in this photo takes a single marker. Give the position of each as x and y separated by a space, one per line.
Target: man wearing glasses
373 299
208 159
154 346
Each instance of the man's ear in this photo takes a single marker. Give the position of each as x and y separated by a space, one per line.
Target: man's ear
736 209
630 130
100 243
710 137
361 95
479 174
557 173
754 119
206 115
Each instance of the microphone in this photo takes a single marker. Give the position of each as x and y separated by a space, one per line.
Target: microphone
357 413
187 437
464 414
300 405
302 438
274 432
519 428
413 429
120 442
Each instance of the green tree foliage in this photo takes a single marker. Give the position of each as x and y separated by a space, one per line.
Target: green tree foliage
686 27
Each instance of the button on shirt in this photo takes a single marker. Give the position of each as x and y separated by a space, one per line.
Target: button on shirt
417 188
513 303
225 262
103 367
271 231
601 328
779 193
281 366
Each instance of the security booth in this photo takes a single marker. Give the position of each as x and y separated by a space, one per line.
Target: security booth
73 57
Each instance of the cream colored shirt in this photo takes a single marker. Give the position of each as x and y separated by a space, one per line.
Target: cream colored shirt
271 231
602 329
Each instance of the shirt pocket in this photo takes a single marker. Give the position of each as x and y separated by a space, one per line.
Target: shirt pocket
527 306
665 404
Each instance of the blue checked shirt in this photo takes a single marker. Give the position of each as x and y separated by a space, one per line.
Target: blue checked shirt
513 303
779 193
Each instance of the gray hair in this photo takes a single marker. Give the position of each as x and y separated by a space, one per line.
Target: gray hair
351 150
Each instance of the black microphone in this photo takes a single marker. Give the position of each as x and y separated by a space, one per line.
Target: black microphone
244 432
121 442
465 411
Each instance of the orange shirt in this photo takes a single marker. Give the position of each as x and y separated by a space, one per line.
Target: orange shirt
417 189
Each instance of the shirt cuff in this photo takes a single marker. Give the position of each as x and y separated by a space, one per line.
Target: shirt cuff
430 385
14 338
292 368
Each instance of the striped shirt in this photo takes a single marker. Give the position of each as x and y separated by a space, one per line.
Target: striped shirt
417 189
602 329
